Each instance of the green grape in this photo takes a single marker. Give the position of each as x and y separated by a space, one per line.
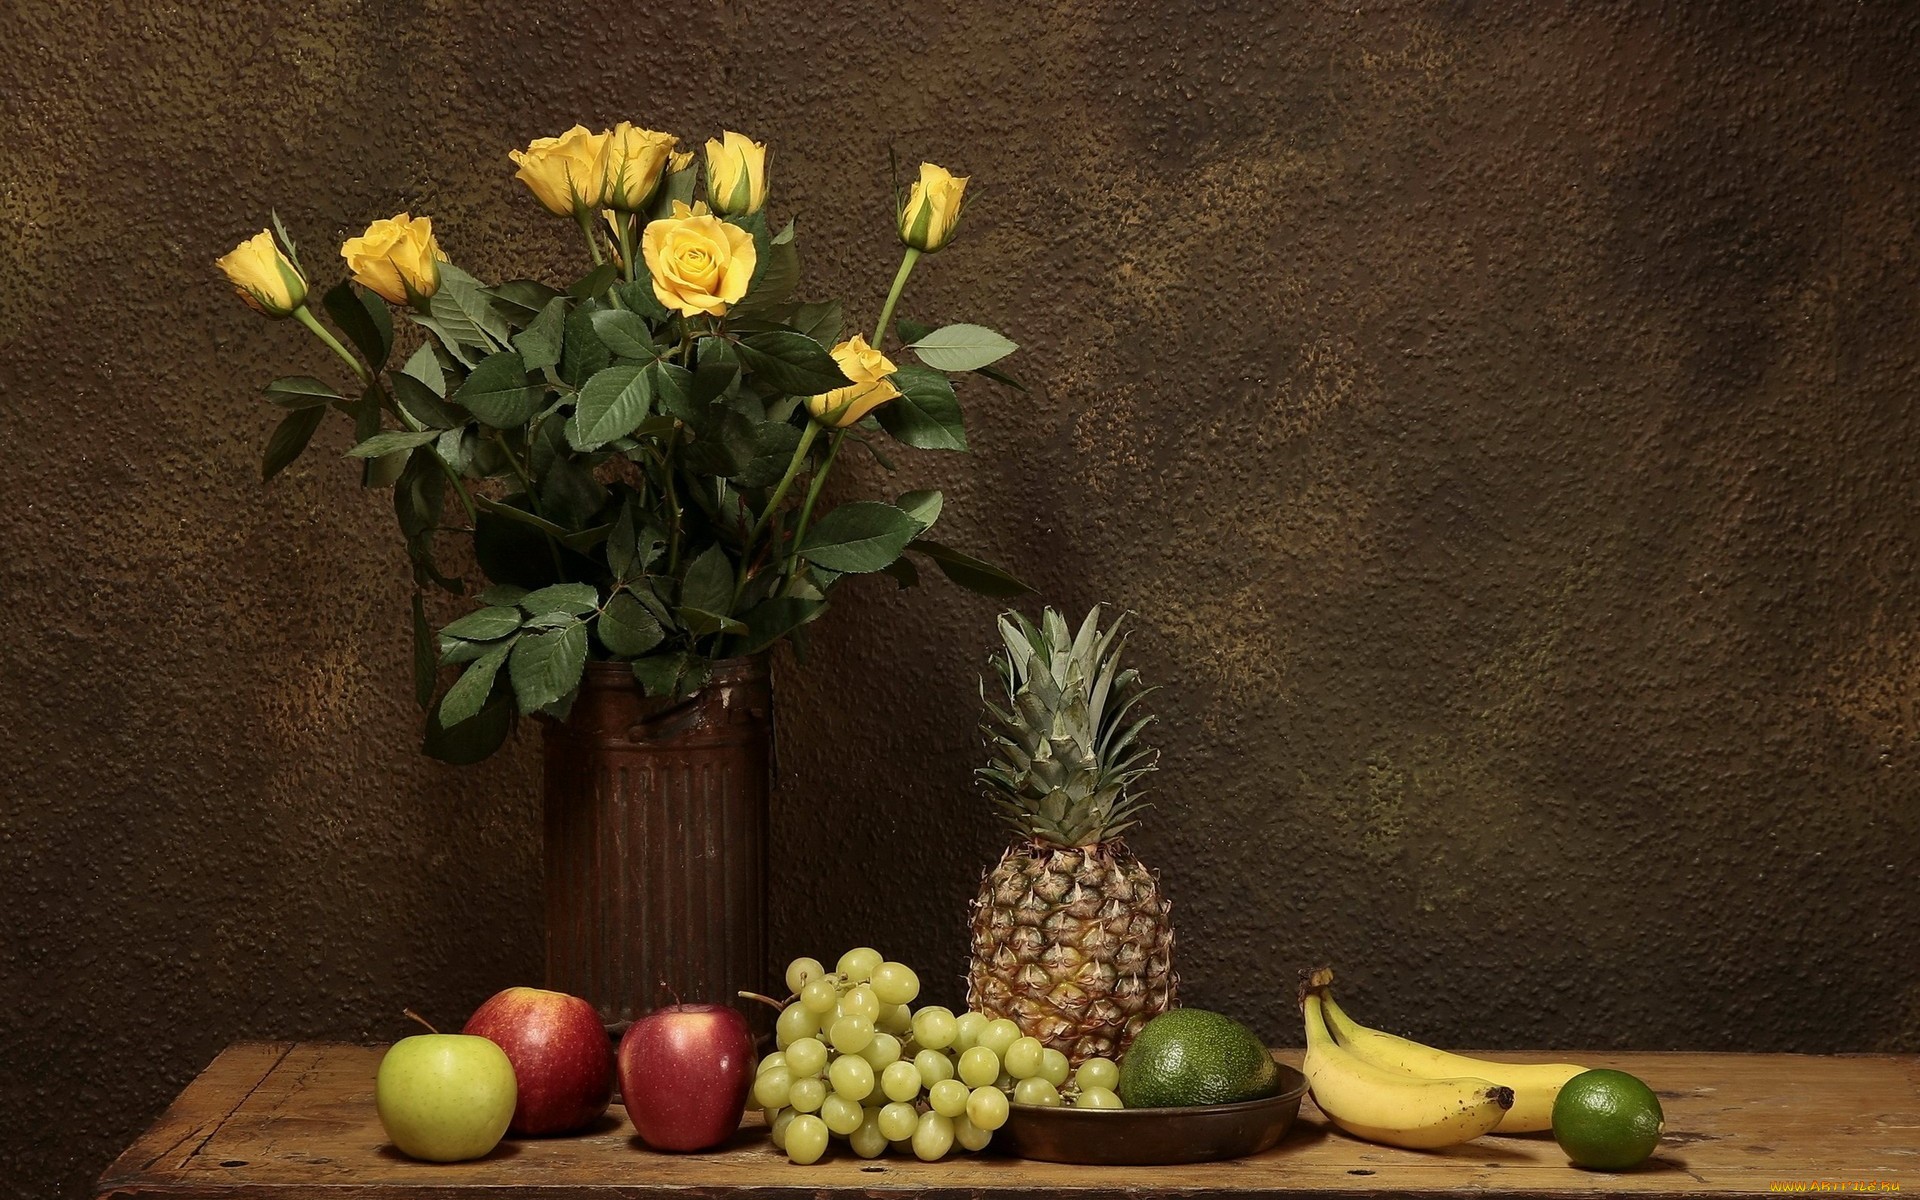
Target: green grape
934 1137
802 971
979 1067
794 1023
882 1052
1037 1092
898 1121
1024 1057
1097 1097
1054 1067
895 983
859 1001
900 1081
842 1115
987 1108
770 1088
969 1135
966 1028
857 964
933 1027
852 1077
868 1141
933 1067
948 1097
1098 1072
820 996
778 1127
807 1057
895 1018
806 1140
777 1059
998 1035
851 1035
806 1095
1004 1081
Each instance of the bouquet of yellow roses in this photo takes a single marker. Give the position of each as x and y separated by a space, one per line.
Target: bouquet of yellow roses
638 458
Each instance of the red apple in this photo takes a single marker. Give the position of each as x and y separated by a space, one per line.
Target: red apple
685 1071
560 1053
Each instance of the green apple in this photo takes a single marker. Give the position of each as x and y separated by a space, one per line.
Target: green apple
445 1097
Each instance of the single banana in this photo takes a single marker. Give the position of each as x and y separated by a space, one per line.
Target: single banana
1535 1085
1392 1107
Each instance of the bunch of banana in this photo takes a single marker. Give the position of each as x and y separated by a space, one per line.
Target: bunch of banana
1388 1089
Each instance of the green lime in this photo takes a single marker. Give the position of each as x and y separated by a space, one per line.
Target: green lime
1191 1056
1607 1120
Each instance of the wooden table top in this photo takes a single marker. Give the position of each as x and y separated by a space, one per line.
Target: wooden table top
297 1119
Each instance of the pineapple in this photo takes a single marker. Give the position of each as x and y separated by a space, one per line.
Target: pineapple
1071 938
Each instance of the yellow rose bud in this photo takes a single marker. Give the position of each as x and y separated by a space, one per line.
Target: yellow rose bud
736 174
636 160
396 258
699 263
932 210
568 174
679 161
265 278
870 370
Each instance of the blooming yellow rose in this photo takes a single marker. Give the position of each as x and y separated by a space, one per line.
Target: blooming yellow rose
699 263
932 211
265 278
870 370
736 174
396 258
636 160
568 174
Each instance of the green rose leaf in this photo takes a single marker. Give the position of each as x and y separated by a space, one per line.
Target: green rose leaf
578 599
423 365
594 282
466 742
498 393
288 439
961 348
623 332
611 404
903 572
502 594
863 536
790 363
521 300
582 353
392 441
708 585
364 318
484 624
675 674
301 391
421 403
540 343
627 628
700 621
925 415
771 620
922 506
969 572
469 692
821 322
546 666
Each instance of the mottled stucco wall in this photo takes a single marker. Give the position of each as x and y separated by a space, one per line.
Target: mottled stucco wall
1500 418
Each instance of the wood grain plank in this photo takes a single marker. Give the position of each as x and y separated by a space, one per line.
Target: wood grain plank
306 1127
234 1075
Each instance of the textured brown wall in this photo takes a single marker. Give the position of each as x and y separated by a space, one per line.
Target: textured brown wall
1500 418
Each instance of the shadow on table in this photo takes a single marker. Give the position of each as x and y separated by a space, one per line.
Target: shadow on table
500 1153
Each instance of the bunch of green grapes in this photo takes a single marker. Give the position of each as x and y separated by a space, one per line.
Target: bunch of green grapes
856 1061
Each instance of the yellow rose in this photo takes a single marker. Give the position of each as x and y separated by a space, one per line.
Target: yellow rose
932 211
736 174
699 263
397 258
636 159
568 174
869 369
679 161
265 278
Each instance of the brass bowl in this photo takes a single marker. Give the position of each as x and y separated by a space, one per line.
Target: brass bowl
1139 1137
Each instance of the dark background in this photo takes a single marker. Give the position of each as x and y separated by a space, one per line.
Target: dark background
1499 417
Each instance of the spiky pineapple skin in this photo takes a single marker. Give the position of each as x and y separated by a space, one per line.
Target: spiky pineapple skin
1074 945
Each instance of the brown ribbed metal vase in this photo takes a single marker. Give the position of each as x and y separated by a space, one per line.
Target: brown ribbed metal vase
656 825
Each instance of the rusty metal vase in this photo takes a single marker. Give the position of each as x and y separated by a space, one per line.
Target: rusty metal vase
656 828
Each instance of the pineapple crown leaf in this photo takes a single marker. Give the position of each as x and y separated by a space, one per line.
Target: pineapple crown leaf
1062 754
